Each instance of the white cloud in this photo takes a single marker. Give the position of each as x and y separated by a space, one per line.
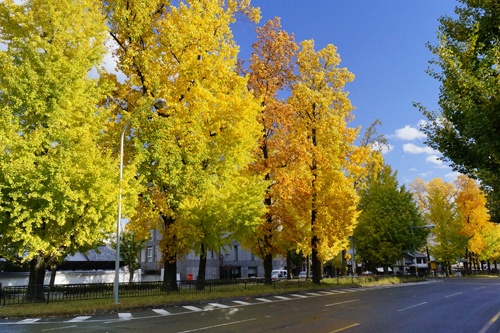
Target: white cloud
451 176
408 133
434 159
384 149
425 174
414 149
412 169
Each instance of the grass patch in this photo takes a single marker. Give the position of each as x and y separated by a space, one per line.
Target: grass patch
103 306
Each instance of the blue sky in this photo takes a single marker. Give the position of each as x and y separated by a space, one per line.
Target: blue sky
383 43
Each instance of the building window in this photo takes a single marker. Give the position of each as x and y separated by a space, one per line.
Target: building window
213 255
150 254
252 257
236 252
419 261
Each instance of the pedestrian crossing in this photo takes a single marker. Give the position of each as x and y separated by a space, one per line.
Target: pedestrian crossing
212 306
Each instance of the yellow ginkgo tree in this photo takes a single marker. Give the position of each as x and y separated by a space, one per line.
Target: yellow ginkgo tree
334 162
58 188
183 52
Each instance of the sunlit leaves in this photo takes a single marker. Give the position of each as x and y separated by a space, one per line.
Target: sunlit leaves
58 189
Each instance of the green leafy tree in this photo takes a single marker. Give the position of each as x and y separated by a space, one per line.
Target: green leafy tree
466 129
58 188
130 248
229 209
383 234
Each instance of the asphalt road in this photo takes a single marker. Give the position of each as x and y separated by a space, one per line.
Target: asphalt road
452 305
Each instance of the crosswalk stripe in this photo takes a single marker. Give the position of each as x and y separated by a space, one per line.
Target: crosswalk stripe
192 308
162 312
263 300
242 302
218 305
299 296
29 320
79 318
125 315
313 294
283 298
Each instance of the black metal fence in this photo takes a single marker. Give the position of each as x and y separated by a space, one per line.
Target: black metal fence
70 292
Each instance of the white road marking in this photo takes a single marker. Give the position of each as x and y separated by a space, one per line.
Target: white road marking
192 308
214 326
298 295
413 306
263 300
57 328
218 305
354 300
313 294
283 298
454 294
125 315
29 320
79 319
162 312
242 302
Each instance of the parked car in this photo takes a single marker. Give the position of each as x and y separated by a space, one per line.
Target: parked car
278 274
302 275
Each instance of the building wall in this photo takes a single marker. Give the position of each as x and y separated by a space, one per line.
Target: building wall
232 258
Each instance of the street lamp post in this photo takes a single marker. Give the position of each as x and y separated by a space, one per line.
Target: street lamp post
430 226
158 103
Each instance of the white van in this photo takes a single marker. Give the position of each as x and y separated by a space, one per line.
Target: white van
278 274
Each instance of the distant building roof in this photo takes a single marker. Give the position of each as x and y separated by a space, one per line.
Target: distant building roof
103 253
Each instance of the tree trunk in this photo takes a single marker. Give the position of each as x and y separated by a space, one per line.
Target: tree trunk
53 272
315 262
289 265
170 274
131 274
170 263
268 268
343 263
202 268
429 269
308 267
36 279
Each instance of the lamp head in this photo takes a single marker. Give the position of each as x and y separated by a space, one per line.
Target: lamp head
159 103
